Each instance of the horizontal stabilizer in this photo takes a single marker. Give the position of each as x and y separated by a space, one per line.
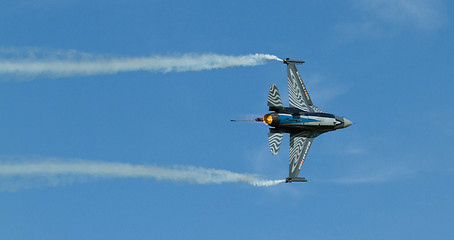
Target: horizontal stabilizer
274 99
275 140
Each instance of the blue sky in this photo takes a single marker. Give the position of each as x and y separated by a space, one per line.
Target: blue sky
386 65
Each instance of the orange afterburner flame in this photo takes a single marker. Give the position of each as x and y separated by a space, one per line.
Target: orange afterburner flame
267 119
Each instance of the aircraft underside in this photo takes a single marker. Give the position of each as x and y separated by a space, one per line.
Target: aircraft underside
302 120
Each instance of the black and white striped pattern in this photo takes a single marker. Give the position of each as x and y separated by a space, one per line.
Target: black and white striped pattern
298 95
296 90
299 147
316 109
275 140
274 99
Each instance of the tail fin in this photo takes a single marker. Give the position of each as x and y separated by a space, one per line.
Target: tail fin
274 99
275 140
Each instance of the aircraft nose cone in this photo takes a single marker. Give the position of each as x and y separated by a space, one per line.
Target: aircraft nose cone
347 122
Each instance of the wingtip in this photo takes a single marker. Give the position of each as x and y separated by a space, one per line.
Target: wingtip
288 61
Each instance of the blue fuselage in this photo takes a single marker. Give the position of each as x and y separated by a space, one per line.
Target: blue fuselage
292 119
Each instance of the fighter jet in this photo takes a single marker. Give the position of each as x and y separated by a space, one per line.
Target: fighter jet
302 120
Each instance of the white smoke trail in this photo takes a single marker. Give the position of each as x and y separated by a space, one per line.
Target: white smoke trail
57 172
39 63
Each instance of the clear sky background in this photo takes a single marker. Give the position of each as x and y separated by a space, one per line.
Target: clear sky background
385 65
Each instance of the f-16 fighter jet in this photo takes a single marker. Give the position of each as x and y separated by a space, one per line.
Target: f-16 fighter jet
302 119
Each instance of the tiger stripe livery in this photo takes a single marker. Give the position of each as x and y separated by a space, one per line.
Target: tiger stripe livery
274 99
275 140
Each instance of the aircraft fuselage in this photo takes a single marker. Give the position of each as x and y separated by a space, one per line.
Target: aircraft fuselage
295 120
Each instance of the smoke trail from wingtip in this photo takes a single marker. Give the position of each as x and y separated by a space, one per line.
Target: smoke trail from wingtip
57 172
71 63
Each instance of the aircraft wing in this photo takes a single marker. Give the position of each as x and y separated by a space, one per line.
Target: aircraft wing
298 95
299 147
